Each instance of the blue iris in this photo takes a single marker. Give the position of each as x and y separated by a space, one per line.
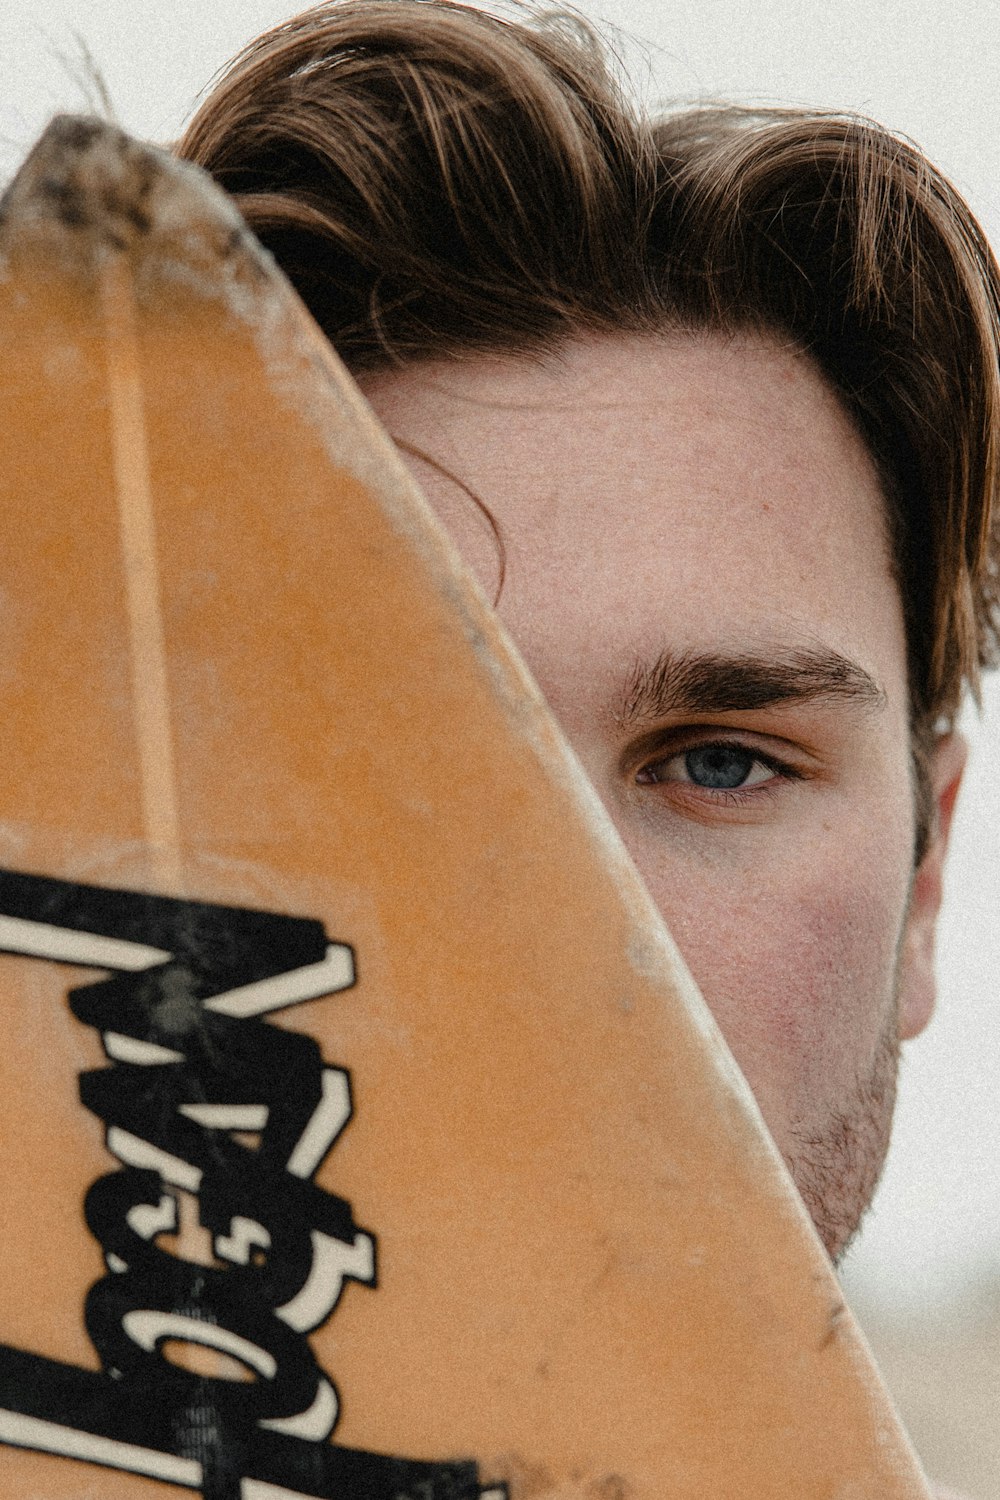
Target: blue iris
719 766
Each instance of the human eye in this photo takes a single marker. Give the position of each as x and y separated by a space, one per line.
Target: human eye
727 770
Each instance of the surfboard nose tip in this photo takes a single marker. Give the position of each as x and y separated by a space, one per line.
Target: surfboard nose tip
85 181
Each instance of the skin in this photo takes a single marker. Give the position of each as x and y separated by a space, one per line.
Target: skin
697 572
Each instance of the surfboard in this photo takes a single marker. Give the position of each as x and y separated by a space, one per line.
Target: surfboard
363 1134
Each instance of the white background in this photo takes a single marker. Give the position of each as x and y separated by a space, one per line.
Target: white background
928 70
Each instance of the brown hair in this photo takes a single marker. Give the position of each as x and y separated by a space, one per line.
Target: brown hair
437 180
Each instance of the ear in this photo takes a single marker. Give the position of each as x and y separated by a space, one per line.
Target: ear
918 987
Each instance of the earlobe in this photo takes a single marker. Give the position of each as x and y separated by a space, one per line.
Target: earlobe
917 980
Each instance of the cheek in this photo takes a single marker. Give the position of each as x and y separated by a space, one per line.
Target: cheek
797 962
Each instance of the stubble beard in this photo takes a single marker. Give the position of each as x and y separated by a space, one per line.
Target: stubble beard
837 1166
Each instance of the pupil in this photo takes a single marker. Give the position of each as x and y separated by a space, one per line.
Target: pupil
719 766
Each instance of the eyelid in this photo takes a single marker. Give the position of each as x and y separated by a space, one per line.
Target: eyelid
738 747
786 758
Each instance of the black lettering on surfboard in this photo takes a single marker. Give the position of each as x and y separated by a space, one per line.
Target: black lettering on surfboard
203 1100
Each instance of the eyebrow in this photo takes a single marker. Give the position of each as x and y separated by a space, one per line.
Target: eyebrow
722 682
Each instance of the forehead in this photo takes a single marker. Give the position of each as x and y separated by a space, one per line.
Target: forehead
710 490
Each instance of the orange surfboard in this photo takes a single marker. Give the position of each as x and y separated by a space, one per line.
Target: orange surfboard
363 1134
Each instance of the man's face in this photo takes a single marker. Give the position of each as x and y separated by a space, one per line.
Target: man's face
698 575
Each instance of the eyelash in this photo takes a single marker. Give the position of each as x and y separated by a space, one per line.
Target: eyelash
738 796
